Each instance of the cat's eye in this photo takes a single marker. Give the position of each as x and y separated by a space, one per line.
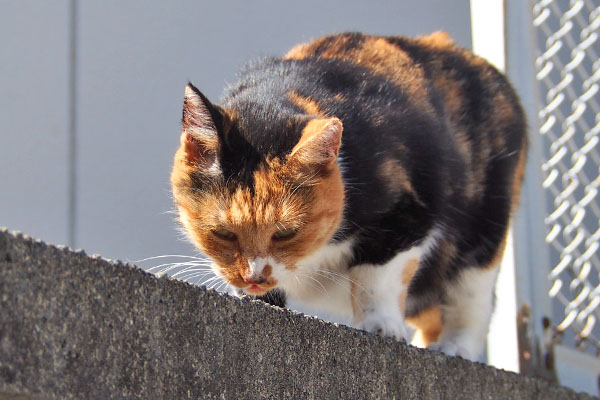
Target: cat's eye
224 234
284 234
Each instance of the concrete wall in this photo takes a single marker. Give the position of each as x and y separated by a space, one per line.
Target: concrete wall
75 327
91 94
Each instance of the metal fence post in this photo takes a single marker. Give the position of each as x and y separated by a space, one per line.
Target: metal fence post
552 59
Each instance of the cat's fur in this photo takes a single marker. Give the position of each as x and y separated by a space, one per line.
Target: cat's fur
368 179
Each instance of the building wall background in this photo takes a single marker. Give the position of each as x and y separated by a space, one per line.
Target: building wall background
91 95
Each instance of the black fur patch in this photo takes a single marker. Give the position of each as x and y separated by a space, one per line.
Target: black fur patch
460 159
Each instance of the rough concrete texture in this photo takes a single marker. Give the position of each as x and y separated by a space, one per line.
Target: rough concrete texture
80 327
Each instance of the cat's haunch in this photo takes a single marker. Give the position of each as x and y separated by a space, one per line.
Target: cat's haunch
368 180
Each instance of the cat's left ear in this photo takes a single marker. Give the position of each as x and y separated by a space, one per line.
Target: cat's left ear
320 142
199 136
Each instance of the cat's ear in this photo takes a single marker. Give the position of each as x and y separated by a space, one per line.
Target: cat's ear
199 135
320 143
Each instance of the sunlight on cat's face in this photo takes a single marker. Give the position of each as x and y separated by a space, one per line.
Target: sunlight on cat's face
256 238
286 207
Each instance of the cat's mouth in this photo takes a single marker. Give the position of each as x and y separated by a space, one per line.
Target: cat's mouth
255 290
252 286
258 289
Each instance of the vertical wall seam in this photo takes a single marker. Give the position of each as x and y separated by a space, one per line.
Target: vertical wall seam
72 144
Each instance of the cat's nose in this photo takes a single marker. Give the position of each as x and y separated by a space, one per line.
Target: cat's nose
257 272
254 279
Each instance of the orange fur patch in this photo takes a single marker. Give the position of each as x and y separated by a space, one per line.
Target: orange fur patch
499 254
504 111
409 271
307 105
375 53
447 251
339 97
407 274
429 326
437 39
519 176
396 178
464 147
300 51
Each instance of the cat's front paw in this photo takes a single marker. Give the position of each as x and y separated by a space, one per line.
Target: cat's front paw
451 348
385 325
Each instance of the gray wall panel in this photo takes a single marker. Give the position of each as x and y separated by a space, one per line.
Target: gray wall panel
133 60
34 118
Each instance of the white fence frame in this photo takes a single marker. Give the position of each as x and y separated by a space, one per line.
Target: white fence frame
537 353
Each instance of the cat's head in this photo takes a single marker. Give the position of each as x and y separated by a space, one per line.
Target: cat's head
257 191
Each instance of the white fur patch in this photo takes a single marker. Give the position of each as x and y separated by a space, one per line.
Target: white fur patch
320 285
379 288
387 322
467 313
257 265
432 239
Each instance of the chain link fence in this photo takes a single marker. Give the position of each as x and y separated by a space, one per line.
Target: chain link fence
568 76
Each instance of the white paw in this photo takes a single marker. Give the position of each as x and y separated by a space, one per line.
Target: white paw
385 325
451 348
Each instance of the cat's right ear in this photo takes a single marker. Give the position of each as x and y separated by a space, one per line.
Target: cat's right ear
319 144
199 136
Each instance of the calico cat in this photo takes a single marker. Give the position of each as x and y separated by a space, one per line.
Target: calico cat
366 179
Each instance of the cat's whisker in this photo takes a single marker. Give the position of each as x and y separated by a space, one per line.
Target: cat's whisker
153 269
194 265
181 274
175 212
340 280
167 267
194 280
212 281
172 266
222 286
182 263
169 256
342 277
336 280
194 274
322 287
215 276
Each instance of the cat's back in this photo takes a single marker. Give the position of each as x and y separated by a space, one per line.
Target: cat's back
416 65
381 56
419 110
476 105
432 70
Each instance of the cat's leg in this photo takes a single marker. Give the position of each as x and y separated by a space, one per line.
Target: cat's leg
378 295
466 313
428 325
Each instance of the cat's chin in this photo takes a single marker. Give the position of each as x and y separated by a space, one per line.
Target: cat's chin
255 290
241 292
